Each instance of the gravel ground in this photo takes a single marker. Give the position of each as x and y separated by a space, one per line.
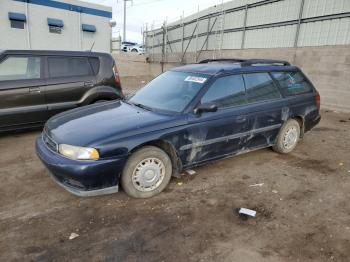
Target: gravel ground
303 211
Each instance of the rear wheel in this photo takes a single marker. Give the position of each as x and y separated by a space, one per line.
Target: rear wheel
288 137
134 50
146 173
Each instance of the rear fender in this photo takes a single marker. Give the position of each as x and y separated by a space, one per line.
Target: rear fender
99 93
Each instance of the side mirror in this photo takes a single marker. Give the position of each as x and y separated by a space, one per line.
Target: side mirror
207 107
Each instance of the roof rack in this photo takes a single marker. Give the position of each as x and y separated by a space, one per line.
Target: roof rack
223 60
247 62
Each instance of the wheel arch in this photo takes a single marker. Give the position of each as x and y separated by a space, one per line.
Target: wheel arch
169 149
99 93
301 121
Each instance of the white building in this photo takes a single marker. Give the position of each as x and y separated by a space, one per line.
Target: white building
59 25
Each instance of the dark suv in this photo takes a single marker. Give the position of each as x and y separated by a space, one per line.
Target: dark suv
185 117
34 85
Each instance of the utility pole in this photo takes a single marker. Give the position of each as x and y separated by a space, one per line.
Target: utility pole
124 25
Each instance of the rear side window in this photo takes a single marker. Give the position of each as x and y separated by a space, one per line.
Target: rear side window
95 64
260 87
226 91
292 83
20 67
68 66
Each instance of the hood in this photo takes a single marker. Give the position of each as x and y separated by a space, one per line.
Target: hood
89 125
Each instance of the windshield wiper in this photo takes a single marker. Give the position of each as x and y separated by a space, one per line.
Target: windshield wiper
143 106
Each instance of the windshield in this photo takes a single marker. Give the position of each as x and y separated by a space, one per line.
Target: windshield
171 91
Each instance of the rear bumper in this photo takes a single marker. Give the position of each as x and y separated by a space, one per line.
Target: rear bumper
82 178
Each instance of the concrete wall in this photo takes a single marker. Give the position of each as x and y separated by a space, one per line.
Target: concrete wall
134 70
36 33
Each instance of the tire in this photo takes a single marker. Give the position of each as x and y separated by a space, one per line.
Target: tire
134 50
146 164
288 137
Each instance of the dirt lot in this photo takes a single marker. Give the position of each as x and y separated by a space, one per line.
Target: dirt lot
303 211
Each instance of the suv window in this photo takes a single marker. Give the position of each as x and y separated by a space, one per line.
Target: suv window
292 83
68 66
95 64
226 91
260 87
20 67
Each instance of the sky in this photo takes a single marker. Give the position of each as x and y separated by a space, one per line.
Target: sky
140 12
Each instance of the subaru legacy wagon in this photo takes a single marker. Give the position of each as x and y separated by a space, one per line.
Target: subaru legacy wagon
183 118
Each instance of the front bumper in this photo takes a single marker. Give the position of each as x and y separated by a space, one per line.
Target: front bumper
82 178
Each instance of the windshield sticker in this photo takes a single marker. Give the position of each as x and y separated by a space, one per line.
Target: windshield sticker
195 79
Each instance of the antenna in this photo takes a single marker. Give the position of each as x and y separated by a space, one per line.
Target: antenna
92 46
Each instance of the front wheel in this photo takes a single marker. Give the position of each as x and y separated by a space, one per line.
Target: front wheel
288 137
146 173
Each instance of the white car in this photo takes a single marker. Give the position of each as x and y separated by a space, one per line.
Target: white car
132 47
137 48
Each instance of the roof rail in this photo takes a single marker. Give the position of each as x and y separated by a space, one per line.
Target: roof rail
247 62
252 62
223 60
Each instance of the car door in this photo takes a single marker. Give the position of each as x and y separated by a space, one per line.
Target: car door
68 79
213 135
267 109
22 99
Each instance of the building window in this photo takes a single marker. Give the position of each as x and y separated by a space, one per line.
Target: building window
17 20
88 28
55 25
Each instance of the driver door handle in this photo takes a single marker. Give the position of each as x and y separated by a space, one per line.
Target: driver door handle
88 84
34 90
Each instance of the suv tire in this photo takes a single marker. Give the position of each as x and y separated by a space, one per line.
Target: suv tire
288 137
146 173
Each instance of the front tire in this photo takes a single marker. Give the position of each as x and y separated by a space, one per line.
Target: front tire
146 173
288 137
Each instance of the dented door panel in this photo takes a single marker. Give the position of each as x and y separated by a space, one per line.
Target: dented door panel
213 135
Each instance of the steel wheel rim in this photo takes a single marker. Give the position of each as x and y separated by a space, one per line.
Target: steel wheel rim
148 174
290 137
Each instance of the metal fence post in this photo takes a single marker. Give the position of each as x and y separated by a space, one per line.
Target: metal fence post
152 43
197 25
299 23
244 26
208 29
183 36
146 39
165 40
163 47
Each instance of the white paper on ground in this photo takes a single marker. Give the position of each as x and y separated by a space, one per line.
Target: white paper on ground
247 212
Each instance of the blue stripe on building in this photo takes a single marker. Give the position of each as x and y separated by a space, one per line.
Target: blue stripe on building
69 7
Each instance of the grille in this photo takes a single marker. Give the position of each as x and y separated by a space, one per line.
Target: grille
49 142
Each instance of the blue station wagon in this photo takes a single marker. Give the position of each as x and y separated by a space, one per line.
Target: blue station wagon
183 118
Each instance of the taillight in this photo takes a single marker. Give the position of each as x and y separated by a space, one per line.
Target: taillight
318 100
117 78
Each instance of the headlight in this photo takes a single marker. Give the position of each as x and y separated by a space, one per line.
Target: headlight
78 153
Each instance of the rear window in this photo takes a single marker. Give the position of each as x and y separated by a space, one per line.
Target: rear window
292 83
260 87
68 66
